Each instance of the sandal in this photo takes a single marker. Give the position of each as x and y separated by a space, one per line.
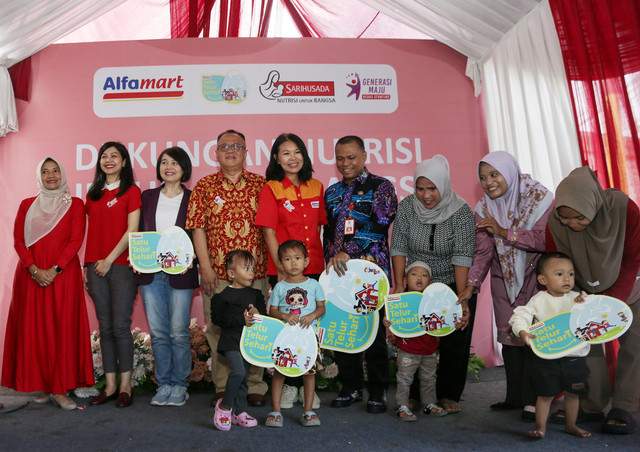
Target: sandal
450 406
627 424
222 418
244 420
277 419
405 414
435 410
307 420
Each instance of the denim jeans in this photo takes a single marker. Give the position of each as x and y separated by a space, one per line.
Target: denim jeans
169 314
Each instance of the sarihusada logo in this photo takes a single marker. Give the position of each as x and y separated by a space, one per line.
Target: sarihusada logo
126 88
273 88
231 88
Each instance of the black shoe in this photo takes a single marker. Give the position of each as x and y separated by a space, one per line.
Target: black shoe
528 416
377 404
348 400
504 406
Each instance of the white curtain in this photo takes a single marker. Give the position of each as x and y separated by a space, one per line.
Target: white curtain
514 57
527 102
8 116
27 26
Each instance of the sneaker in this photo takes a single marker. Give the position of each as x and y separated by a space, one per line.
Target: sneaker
289 396
316 399
179 396
162 395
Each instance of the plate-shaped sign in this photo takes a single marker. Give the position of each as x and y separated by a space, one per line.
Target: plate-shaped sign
151 252
599 319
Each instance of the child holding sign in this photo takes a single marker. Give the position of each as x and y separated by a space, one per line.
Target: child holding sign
231 310
416 353
553 376
295 300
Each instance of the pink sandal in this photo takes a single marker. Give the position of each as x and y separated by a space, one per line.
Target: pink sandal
244 420
222 418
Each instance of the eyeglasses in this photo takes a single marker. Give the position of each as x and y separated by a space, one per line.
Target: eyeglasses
235 147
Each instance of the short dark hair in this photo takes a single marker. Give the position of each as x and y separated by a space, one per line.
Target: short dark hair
546 257
234 132
275 171
291 245
179 155
245 256
351 139
99 179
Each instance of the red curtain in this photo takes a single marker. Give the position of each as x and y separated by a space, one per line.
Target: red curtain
330 18
189 18
600 42
20 74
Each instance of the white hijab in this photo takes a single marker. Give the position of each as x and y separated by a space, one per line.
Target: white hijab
436 169
48 208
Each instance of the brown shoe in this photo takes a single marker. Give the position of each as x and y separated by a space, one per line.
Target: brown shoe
216 397
255 400
124 400
103 398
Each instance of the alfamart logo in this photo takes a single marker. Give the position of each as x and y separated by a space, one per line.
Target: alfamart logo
125 88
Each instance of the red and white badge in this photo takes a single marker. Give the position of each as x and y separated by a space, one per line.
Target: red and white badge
349 226
218 200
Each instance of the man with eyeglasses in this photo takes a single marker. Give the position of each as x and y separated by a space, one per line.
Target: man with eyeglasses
222 212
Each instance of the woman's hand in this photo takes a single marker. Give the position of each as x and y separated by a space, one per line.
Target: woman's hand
491 225
464 321
102 267
465 295
42 277
339 263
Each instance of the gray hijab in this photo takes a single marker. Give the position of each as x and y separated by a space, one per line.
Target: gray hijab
436 169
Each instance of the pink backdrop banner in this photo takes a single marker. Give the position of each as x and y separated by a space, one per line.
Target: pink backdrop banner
421 103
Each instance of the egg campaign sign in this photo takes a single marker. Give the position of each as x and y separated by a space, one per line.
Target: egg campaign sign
599 319
434 312
269 342
350 322
170 251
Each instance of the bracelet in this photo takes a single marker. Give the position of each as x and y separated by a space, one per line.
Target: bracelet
33 275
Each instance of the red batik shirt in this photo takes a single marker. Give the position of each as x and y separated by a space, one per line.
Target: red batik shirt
227 212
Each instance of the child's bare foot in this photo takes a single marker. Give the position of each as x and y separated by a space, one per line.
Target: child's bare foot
577 431
537 433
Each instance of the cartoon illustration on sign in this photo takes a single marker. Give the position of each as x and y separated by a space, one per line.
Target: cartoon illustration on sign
360 291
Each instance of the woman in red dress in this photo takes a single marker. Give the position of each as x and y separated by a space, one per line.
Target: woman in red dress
47 343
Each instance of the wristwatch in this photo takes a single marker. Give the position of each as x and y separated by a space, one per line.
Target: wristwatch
58 269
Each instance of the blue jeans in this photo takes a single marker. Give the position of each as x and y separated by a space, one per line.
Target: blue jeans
168 313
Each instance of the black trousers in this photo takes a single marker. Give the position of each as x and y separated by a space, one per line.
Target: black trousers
517 366
350 372
454 358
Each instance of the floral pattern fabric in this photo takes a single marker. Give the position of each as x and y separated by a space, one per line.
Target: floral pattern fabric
227 212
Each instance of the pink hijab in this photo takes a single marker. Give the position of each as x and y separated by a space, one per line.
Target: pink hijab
524 203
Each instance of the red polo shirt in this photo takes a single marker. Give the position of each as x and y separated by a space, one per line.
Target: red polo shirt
294 213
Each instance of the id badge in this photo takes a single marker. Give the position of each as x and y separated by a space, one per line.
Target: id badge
349 226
